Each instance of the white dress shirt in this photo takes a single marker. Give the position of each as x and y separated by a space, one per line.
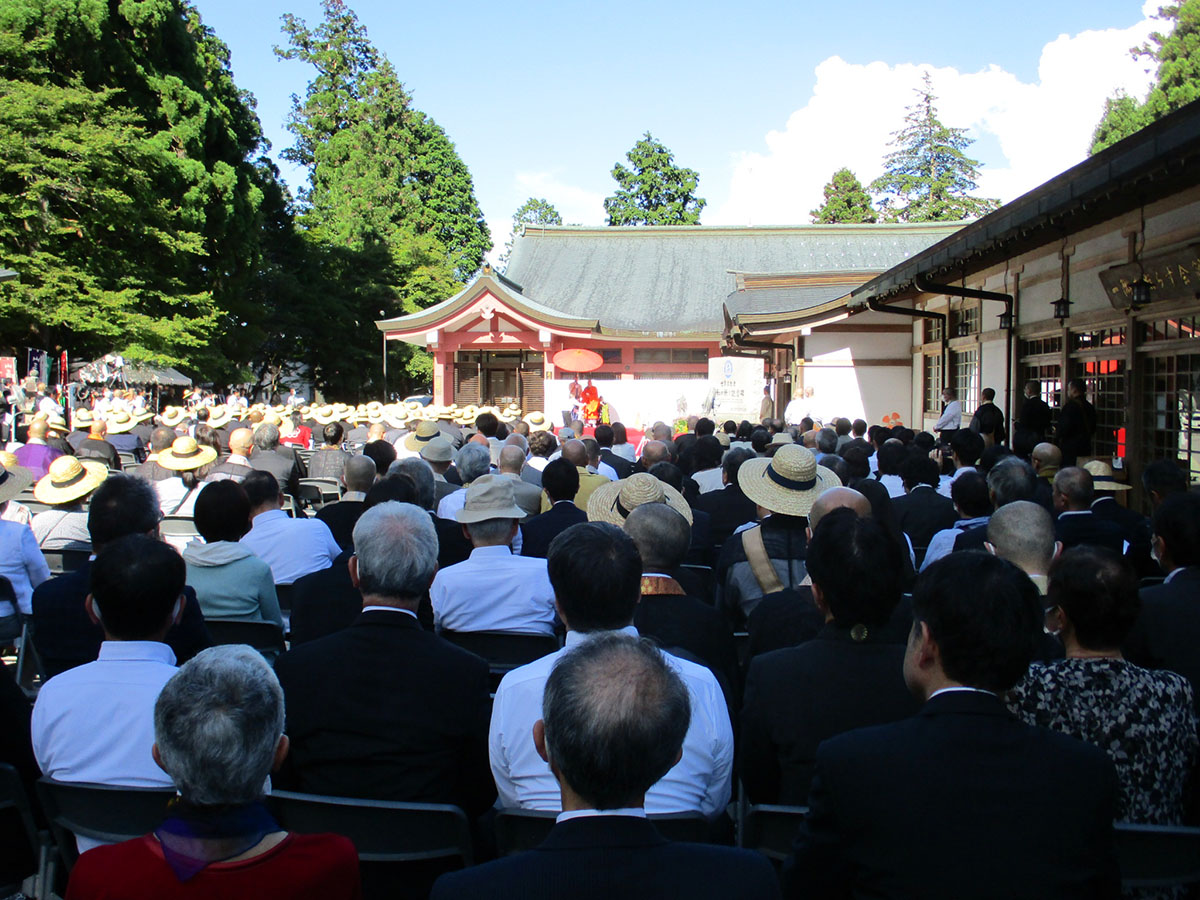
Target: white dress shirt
945 482
22 563
291 547
894 485
699 781
494 590
603 468
95 723
951 417
171 492
942 543
709 479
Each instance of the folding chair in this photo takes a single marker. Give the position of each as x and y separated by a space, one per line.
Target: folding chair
1154 856
182 526
381 830
100 812
25 850
66 559
518 830
706 574
128 460
265 637
503 650
771 829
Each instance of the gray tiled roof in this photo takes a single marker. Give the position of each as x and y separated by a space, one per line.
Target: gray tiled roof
675 279
782 300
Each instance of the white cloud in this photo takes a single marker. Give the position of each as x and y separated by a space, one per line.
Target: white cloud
1042 128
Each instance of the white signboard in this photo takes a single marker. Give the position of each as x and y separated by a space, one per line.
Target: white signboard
736 386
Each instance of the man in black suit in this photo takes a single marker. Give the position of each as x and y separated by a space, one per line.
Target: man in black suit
268 457
1133 523
1076 523
848 676
160 440
614 719
96 447
560 481
922 512
1033 421
385 709
358 476
604 437
729 508
1076 423
961 799
236 466
63 633
1168 628
666 612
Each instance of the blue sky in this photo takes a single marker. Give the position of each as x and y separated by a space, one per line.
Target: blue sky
763 99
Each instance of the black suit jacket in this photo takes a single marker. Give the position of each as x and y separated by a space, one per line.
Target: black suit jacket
622 466
1137 532
960 800
922 513
676 621
1076 427
606 857
341 517
797 697
65 637
103 451
282 464
1088 528
538 531
387 710
728 510
323 602
1167 631
453 546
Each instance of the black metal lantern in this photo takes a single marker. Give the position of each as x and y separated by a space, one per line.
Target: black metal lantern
1006 320
1141 293
1062 309
964 329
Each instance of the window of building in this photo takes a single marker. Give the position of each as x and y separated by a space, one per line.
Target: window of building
690 355
1105 380
932 380
645 355
1098 338
1173 329
966 315
611 357
932 330
1171 409
1041 345
964 364
685 376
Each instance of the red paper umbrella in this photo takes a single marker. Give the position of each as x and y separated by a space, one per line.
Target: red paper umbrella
578 360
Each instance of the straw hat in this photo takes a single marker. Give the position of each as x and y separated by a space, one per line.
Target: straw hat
614 501
489 497
185 454
375 412
426 431
83 419
438 450
783 437
324 415
57 423
119 422
723 439
69 478
173 415
787 483
537 421
219 417
395 415
13 479
1103 478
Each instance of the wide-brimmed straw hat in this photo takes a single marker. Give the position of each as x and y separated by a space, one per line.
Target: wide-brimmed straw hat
119 422
614 501
537 421
489 497
783 437
185 454
69 478
219 416
173 415
1103 478
788 483
13 480
439 450
83 418
324 415
57 423
425 432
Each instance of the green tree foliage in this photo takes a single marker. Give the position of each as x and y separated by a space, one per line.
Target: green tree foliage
929 177
390 212
1177 77
653 190
534 211
846 201
129 197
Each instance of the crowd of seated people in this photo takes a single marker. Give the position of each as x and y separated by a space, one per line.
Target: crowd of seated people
941 648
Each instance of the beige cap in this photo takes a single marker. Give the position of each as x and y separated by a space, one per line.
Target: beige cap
438 450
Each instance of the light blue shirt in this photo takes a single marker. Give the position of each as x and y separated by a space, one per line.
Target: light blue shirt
22 563
292 548
494 590
701 780
942 543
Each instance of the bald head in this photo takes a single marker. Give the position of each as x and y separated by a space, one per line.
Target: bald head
1073 489
575 453
661 534
161 439
359 473
98 430
511 460
1023 533
240 441
376 432
655 452
661 432
37 429
1046 455
839 498
518 440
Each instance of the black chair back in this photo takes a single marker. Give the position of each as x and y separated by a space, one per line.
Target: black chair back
67 559
262 636
1154 856
17 827
100 812
771 829
503 650
381 830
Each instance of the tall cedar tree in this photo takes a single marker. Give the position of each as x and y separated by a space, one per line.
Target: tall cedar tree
390 211
846 202
1176 83
654 191
928 177
129 196
534 211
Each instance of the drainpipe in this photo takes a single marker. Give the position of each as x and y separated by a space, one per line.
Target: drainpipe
924 284
875 305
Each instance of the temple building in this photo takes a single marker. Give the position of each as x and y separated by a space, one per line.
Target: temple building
654 303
